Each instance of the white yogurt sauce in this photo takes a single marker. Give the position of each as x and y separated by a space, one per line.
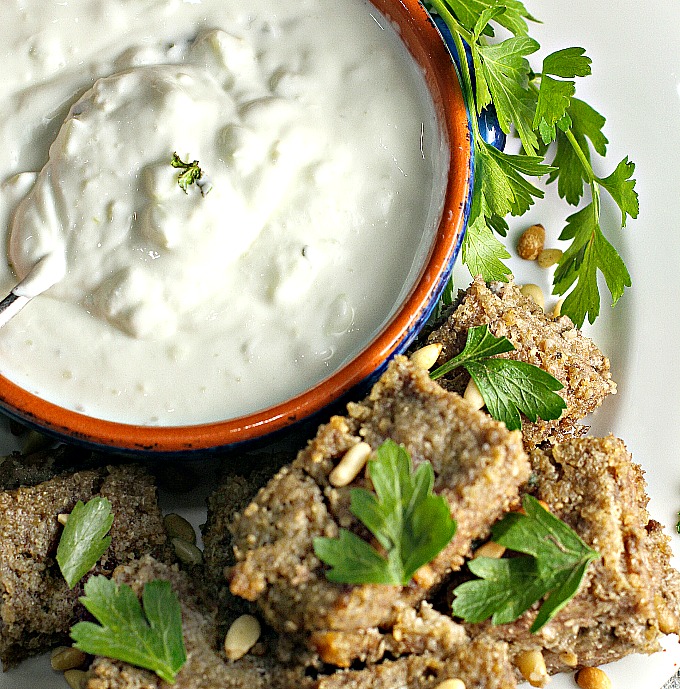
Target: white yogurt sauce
322 173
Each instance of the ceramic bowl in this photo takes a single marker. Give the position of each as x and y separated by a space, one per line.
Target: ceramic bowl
425 43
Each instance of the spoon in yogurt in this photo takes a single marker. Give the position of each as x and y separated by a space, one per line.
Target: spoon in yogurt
46 272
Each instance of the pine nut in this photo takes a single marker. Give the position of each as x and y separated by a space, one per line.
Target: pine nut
187 553
557 309
177 526
569 658
593 678
531 242
489 549
451 684
75 678
67 658
426 357
473 395
241 637
534 292
62 518
531 665
549 257
352 462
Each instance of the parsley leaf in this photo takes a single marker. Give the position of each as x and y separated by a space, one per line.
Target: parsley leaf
571 175
507 386
556 562
513 13
83 540
192 173
503 185
542 108
150 638
483 252
622 189
589 252
502 73
554 96
410 523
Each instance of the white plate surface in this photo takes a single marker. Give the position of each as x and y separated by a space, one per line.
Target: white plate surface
636 85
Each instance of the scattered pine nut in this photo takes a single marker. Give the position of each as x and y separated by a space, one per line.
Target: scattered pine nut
186 552
530 243
67 658
426 357
533 292
75 678
549 257
489 549
473 395
593 678
241 637
531 665
451 684
557 309
62 518
350 465
177 526
569 658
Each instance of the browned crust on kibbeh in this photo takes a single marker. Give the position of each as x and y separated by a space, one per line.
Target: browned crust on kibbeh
478 466
37 608
631 596
480 664
553 344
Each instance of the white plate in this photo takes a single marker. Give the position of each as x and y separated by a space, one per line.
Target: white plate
636 85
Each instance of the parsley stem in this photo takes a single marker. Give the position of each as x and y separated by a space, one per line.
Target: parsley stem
580 155
464 69
590 174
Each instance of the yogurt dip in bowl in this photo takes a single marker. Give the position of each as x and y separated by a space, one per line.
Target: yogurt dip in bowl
244 211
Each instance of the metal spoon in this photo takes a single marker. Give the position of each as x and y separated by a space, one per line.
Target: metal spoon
49 270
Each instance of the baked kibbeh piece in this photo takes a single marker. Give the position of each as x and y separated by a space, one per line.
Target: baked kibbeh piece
631 596
206 667
553 344
478 466
481 664
37 608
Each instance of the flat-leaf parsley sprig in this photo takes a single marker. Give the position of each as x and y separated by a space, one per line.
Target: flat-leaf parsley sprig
542 109
84 538
507 386
411 524
148 637
554 564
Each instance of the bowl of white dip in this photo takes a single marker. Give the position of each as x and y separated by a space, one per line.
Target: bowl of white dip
225 217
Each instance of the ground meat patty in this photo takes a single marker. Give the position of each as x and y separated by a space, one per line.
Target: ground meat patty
553 344
481 664
205 668
631 596
37 608
478 466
